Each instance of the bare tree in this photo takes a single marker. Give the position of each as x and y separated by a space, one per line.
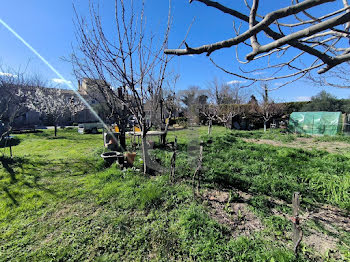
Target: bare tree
268 108
283 39
226 100
210 112
225 93
130 59
228 112
51 102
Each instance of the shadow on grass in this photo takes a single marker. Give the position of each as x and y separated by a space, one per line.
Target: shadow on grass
7 165
65 135
11 142
10 196
29 131
43 134
24 173
58 137
14 167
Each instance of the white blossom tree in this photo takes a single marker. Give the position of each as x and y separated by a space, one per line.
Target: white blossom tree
53 103
12 100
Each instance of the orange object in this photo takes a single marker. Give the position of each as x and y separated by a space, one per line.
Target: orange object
116 129
130 157
137 129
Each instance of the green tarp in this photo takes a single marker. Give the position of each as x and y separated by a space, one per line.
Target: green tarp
315 123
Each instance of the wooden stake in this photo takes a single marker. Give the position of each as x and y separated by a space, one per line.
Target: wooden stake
197 173
173 162
104 139
297 232
10 149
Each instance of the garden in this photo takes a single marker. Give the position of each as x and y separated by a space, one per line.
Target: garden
60 202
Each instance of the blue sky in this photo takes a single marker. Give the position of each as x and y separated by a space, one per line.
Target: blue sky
48 27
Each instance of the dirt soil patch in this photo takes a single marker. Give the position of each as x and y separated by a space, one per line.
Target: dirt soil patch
322 227
305 143
329 224
236 216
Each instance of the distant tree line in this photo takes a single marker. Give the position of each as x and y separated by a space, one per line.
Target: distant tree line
228 105
325 101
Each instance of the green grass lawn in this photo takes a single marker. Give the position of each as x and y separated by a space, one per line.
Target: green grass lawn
59 202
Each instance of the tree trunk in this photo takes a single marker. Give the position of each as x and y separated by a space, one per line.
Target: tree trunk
145 156
55 130
122 140
210 127
163 137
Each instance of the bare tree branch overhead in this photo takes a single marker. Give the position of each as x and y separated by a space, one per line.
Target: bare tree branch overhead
338 77
290 42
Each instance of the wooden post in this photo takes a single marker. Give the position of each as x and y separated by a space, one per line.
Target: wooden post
10 149
197 173
173 162
297 232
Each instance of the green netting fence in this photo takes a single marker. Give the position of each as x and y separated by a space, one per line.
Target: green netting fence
316 123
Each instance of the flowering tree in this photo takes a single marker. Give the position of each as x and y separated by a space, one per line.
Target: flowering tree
11 99
53 103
